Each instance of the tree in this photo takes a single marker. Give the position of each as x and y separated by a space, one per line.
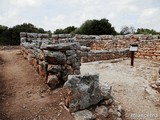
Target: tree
147 31
3 28
59 31
10 36
127 30
96 27
67 30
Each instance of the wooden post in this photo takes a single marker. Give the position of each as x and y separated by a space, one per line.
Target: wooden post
132 58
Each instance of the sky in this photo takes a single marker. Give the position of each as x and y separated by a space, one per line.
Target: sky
54 14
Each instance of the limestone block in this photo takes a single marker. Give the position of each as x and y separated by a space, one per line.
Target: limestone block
54 69
32 35
55 58
84 91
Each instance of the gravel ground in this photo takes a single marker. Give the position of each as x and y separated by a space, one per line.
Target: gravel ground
130 85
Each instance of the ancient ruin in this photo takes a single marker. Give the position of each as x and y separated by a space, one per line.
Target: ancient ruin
58 58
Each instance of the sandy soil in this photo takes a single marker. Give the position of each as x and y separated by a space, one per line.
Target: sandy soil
23 96
130 85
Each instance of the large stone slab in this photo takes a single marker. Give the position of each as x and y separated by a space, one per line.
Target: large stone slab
62 46
83 91
56 58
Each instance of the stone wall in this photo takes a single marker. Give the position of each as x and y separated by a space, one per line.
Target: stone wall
149 45
53 61
97 55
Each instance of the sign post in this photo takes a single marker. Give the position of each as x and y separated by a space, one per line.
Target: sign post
133 48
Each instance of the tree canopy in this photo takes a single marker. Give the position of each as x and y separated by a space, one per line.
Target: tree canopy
146 31
10 36
96 27
66 30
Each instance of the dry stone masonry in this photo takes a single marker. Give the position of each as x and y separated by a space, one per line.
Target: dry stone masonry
97 55
53 61
149 45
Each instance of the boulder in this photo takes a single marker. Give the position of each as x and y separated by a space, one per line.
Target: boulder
56 58
55 69
83 91
70 52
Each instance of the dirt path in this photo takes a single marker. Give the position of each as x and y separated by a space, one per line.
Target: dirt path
131 86
23 96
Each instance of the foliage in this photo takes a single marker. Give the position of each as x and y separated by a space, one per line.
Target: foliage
147 31
96 27
127 30
66 30
10 36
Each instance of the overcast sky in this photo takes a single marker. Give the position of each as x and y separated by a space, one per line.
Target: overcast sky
53 14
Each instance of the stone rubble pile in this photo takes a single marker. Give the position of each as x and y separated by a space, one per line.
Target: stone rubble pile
53 61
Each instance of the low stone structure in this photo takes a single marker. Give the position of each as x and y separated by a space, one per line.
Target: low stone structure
149 45
53 61
97 55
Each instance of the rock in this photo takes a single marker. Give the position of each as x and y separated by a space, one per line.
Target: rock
119 114
42 68
76 65
157 83
119 108
55 69
70 52
83 91
23 34
69 70
63 46
52 81
56 58
84 115
102 110
105 90
84 48
77 72
111 111
43 35
32 35
23 39
109 101
154 86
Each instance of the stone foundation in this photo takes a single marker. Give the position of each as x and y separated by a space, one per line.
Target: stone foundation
53 61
